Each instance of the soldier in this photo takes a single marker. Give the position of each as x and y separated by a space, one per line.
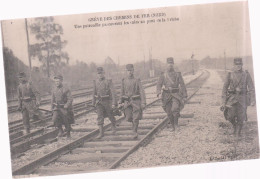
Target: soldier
132 98
28 101
104 99
174 93
61 105
237 94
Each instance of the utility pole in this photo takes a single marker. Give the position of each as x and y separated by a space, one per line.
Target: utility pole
144 63
152 67
192 65
28 46
225 62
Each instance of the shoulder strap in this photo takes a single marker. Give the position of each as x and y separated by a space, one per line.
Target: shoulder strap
66 90
167 76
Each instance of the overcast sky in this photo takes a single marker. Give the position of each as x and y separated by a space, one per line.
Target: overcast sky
204 30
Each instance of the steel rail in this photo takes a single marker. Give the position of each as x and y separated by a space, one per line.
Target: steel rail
32 166
150 134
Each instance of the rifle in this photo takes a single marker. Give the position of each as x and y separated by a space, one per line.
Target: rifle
58 106
45 110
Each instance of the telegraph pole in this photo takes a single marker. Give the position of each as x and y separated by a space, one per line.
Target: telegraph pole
225 62
144 63
28 46
192 66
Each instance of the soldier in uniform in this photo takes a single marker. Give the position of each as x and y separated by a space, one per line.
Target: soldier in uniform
104 99
237 94
28 101
61 105
174 93
132 98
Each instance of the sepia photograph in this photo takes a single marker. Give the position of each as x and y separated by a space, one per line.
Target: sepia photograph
129 89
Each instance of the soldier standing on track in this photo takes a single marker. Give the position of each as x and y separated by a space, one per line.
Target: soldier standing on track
174 93
104 99
61 105
133 98
28 101
237 94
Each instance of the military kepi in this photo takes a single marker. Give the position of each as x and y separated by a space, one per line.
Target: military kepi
170 60
21 75
238 61
129 66
100 70
58 77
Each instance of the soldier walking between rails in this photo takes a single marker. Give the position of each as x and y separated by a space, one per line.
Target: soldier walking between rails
28 101
238 93
61 105
174 93
132 98
104 100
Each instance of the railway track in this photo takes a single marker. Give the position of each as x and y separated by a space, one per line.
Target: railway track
75 94
41 130
86 153
17 125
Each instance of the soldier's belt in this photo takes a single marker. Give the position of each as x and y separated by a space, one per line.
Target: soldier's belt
102 97
125 98
58 105
237 92
174 90
135 97
27 99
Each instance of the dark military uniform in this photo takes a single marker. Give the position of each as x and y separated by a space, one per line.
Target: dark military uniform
28 96
237 94
133 97
104 97
173 93
61 104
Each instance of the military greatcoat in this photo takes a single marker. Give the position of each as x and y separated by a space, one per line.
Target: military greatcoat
132 96
27 98
61 104
104 97
237 94
173 92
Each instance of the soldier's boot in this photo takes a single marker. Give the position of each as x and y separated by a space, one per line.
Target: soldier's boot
235 129
101 132
133 127
176 121
27 130
68 135
239 129
113 128
172 124
70 129
60 134
135 136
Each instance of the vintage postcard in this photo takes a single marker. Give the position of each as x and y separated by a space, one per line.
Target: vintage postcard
130 89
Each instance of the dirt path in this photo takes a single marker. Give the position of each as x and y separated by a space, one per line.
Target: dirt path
204 138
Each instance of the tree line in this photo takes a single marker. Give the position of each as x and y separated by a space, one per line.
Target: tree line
48 49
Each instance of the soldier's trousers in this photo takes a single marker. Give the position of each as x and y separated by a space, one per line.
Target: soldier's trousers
29 111
172 108
133 113
60 117
236 114
105 110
